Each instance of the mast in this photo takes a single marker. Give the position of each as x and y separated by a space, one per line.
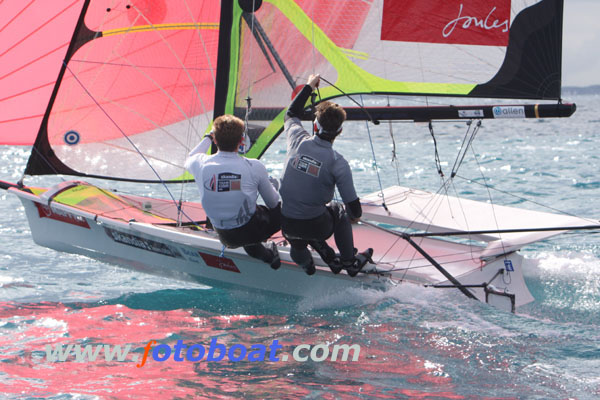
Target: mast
223 58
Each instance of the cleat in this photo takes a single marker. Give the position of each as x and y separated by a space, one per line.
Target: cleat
360 260
276 262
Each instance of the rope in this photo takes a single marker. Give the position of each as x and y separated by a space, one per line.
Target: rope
463 149
374 121
313 107
438 164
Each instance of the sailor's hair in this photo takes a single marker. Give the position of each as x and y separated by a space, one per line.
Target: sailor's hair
228 131
325 135
330 117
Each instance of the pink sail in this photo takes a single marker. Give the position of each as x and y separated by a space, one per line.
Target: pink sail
35 37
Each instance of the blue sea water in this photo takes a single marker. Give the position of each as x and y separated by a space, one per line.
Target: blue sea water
414 343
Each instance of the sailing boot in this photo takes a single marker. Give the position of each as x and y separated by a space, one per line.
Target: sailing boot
310 269
360 260
276 262
328 255
336 265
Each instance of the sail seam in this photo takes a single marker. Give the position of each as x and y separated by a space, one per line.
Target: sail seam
161 27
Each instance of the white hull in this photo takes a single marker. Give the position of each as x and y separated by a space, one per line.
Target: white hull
194 255
186 261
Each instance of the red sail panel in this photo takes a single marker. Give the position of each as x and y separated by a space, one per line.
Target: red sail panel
35 37
471 22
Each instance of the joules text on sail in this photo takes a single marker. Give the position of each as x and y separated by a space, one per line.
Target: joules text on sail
467 21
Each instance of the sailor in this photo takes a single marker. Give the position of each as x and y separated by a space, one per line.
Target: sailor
229 186
313 170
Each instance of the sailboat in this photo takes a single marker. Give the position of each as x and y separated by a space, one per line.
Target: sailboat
140 82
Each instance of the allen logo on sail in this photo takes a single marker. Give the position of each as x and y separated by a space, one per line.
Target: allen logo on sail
447 21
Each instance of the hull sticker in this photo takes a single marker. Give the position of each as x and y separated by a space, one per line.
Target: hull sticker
219 262
142 243
62 216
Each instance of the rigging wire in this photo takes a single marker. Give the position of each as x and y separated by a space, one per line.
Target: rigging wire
462 151
190 129
490 197
395 162
466 220
447 182
375 162
436 206
525 199
438 164
189 136
466 143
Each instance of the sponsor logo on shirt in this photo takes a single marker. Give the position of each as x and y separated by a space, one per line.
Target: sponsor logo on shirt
308 165
225 182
